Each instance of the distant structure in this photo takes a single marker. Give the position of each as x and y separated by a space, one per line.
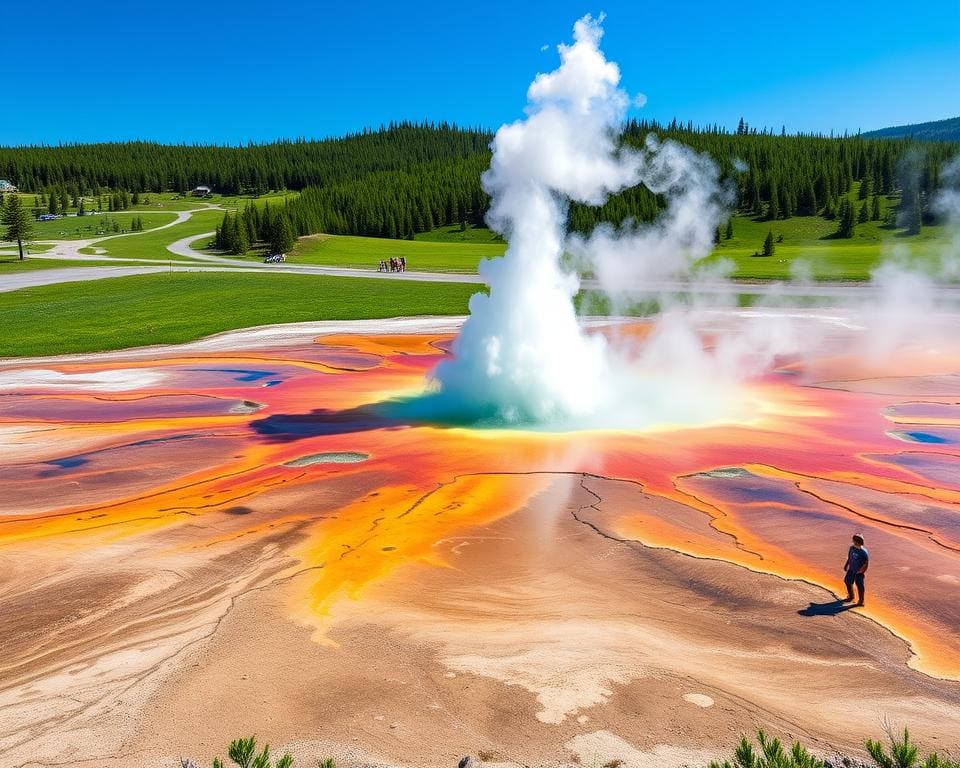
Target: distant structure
202 191
6 186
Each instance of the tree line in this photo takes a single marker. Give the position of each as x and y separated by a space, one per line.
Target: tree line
239 232
251 169
408 178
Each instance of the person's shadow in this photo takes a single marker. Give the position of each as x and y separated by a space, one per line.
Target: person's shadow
826 609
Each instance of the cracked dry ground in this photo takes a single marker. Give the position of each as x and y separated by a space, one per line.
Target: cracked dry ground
198 546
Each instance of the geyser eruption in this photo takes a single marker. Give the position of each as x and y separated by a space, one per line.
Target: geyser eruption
523 354
525 357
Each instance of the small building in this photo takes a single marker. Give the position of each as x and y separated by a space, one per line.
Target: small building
202 191
6 186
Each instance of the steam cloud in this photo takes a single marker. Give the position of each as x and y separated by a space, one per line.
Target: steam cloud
524 356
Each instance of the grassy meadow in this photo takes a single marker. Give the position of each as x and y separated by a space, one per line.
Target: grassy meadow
806 244
27 247
366 252
11 264
99 225
454 234
176 307
809 240
173 201
153 245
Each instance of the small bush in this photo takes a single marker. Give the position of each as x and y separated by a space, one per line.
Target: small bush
904 754
772 754
243 753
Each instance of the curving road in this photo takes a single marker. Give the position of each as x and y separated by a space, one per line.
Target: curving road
195 261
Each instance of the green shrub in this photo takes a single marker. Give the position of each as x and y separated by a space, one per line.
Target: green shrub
243 753
772 754
904 754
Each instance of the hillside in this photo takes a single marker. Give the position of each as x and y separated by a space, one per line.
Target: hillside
936 130
404 180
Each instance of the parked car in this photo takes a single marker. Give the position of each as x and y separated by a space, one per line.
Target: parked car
275 258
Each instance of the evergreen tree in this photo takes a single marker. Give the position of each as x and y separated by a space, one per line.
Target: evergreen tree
787 207
830 210
773 208
266 222
729 229
281 235
846 217
16 221
768 247
807 204
755 205
227 235
240 244
864 216
81 210
716 236
53 206
875 213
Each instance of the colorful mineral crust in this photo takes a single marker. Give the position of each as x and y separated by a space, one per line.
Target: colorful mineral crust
147 502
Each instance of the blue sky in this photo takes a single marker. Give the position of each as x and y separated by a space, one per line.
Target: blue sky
212 71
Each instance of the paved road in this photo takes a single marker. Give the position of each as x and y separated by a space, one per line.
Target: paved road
35 277
819 290
195 261
824 291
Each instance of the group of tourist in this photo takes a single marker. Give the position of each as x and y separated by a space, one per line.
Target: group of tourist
395 264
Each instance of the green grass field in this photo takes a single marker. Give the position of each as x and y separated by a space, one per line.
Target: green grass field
28 247
153 245
172 201
805 240
167 202
808 239
84 227
453 234
176 307
366 252
11 264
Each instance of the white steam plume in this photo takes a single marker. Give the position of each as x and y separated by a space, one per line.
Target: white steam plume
907 308
523 354
947 206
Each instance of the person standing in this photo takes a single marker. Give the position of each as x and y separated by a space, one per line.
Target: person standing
858 559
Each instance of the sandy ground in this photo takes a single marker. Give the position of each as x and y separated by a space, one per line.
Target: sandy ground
173 579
